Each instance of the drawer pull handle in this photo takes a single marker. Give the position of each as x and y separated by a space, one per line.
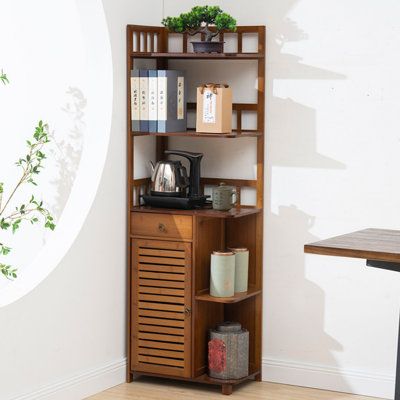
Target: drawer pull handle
188 310
162 228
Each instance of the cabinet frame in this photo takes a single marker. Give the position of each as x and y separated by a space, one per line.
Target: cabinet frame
141 44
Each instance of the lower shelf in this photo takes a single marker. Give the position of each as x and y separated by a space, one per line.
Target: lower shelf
202 378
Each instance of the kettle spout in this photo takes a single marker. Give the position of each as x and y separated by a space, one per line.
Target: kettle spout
152 166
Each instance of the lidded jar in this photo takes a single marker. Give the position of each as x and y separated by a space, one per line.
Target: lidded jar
241 268
222 276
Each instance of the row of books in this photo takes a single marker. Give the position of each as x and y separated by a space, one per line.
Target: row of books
158 100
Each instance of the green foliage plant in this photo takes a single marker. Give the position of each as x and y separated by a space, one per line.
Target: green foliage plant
32 210
3 77
199 19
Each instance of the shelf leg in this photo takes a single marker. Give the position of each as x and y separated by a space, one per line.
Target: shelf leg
397 389
129 377
258 377
227 389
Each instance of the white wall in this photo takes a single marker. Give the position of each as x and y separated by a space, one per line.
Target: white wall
331 151
332 141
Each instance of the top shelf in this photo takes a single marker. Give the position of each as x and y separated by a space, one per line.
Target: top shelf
200 56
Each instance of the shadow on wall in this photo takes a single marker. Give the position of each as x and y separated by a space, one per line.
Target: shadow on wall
305 300
292 131
293 137
68 151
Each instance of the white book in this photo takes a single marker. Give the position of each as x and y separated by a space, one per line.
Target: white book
135 112
162 97
153 101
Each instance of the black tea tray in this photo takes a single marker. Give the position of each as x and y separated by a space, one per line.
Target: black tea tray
184 203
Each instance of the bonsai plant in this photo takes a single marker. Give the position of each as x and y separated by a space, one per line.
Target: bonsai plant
198 20
31 210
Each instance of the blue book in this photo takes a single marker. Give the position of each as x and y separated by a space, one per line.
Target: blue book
144 100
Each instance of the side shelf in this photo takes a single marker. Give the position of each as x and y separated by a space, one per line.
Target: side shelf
253 291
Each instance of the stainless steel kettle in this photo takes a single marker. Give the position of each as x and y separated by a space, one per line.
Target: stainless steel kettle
168 178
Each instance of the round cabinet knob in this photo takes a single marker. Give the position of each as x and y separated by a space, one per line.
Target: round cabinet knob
162 227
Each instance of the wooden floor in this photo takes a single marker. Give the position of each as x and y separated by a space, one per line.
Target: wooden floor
155 389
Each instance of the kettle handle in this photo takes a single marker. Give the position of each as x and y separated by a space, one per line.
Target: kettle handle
183 175
183 153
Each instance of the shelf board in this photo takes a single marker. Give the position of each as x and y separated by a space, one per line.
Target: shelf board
201 56
236 212
229 300
204 378
192 133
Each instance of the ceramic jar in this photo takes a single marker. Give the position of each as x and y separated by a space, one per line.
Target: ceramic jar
241 268
228 351
222 276
222 197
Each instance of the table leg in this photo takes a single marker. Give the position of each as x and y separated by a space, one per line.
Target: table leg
397 389
390 266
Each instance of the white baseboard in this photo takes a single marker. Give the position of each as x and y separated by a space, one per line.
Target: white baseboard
81 385
328 378
95 380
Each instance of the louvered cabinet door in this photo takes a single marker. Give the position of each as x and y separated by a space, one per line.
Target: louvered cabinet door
161 307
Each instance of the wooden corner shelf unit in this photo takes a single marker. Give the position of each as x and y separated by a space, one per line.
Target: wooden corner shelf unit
170 311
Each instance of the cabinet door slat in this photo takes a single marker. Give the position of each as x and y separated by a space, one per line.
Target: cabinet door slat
161 253
161 283
160 337
162 260
161 314
162 268
161 299
161 345
160 306
161 276
144 351
161 361
161 321
161 329
162 291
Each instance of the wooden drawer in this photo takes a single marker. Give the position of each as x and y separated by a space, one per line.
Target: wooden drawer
162 225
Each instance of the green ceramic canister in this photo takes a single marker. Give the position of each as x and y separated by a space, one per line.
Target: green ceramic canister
222 277
241 268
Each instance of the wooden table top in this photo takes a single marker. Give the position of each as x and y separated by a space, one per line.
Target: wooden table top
371 244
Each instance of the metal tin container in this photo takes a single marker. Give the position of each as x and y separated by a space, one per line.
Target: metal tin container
241 268
228 351
222 277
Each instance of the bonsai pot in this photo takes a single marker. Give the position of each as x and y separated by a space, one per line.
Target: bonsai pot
208 47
